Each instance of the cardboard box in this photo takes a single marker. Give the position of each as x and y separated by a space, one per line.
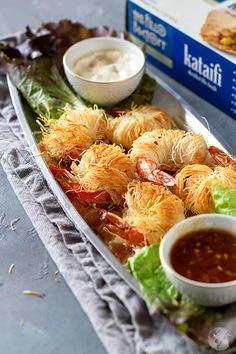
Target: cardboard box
177 43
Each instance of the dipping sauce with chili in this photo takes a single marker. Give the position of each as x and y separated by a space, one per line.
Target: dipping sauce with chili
206 255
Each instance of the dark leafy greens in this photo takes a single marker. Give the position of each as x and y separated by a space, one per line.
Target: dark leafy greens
142 95
52 39
35 67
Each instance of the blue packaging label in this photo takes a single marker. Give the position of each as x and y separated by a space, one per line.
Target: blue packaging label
151 30
196 66
204 72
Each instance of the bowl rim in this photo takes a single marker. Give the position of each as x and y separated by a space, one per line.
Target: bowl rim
168 266
105 38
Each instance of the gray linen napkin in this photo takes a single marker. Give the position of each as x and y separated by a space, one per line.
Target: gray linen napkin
120 318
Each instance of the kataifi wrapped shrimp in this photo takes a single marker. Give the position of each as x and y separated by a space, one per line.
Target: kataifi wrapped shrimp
151 210
168 150
194 183
102 175
66 138
105 167
126 128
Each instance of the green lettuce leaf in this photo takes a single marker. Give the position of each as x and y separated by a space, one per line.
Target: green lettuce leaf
224 200
146 267
157 289
43 88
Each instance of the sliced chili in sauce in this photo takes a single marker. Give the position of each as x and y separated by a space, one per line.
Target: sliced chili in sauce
207 255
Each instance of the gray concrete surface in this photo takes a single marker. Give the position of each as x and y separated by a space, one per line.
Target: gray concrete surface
55 324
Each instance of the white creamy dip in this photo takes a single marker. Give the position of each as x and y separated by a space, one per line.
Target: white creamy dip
106 65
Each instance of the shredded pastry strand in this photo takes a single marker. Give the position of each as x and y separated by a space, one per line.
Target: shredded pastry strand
171 149
105 167
66 138
152 209
129 126
194 185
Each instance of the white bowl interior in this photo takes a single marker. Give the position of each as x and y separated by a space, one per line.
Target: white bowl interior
93 44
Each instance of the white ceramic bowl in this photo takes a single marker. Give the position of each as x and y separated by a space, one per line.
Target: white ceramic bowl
103 93
207 294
